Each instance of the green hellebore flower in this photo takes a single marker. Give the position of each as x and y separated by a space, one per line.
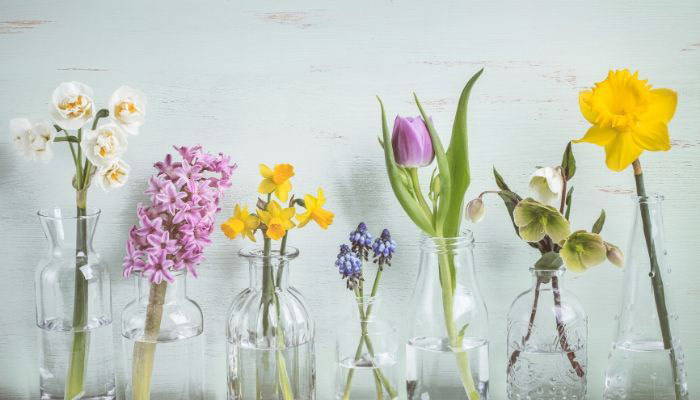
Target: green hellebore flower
583 250
535 220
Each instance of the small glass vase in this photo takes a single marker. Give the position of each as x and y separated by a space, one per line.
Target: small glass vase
447 355
163 342
646 346
76 341
547 337
366 353
270 334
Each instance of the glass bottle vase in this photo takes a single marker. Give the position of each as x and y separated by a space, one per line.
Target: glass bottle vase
270 334
366 353
646 361
73 310
547 337
447 354
163 342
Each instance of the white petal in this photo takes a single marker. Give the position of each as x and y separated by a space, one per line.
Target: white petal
104 145
127 107
69 92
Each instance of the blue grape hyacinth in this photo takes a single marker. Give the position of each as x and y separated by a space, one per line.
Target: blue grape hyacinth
361 241
383 248
349 265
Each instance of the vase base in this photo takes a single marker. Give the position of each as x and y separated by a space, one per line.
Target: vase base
111 395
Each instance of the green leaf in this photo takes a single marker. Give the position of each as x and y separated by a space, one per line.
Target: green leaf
405 198
444 174
568 163
510 199
549 260
568 202
499 180
72 139
458 160
598 225
460 334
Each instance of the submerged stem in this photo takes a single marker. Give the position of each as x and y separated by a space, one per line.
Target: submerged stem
144 349
533 313
561 330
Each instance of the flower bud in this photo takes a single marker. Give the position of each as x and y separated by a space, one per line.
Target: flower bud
411 142
547 183
475 210
614 255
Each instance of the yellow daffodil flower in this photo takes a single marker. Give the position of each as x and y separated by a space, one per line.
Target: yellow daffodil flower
241 223
314 211
276 180
277 219
628 117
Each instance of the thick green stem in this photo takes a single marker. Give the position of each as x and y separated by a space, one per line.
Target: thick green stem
144 350
75 378
413 173
657 283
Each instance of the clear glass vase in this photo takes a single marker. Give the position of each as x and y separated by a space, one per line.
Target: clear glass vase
270 334
163 342
366 353
447 354
547 336
646 361
73 310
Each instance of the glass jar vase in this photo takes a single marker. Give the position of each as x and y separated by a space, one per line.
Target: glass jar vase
73 310
163 341
646 361
270 334
447 354
366 353
547 336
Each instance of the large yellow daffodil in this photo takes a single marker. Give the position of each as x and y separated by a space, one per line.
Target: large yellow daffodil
315 211
276 180
241 223
628 117
277 219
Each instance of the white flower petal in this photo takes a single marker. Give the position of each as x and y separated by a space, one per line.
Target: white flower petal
104 145
546 183
113 176
71 105
127 107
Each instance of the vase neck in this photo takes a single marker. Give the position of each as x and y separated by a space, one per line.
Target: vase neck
365 308
269 269
175 291
544 277
69 228
452 253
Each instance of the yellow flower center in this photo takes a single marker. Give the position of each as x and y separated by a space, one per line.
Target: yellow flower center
275 229
620 100
125 107
75 107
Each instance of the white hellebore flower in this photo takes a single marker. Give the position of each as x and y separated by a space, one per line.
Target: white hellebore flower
104 145
71 105
547 183
113 175
127 106
33 141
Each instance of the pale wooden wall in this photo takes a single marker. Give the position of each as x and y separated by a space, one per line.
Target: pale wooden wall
281 81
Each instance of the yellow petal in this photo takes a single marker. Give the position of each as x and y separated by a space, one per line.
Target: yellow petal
323 218
282 191
652 136
598 135
274 208
288 213
303 219
584 103
265 171
266 186
320 199
264 216
621 151
275 231
662 106
282 173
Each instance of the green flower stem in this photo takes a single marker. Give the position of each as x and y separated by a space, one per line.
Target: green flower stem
79 349
413 173
657 283
144 350
446 267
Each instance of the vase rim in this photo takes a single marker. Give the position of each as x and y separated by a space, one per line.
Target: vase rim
256 252
67 213
650 198
465 239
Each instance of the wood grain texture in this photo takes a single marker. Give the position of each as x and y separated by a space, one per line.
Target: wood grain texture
281 81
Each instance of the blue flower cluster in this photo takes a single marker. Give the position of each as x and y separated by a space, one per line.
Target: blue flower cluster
383 249
349 265
361 241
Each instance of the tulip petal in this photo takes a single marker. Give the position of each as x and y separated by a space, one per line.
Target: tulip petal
662 106
598 135
584 103
652 136
621 151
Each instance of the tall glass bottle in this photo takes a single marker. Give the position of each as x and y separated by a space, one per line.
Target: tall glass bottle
168 363
270 334
447 353
646 346
61 331
547 334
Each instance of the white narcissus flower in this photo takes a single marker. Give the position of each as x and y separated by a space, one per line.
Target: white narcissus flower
33 141
104 145
547 183
71 105
127 107
113 176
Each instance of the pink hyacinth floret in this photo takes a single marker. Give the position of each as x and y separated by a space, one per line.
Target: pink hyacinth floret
174 230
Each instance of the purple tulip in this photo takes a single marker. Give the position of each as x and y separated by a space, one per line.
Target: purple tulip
411 142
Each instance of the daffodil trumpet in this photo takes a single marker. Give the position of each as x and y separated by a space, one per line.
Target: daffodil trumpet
548 230
274 222
403 153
